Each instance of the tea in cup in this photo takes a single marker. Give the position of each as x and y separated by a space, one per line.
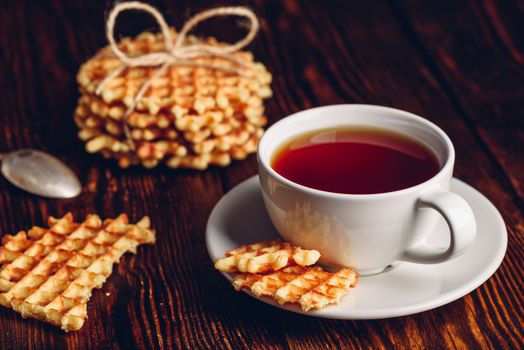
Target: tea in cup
365 185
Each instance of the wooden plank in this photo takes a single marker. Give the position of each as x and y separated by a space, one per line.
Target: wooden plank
479 65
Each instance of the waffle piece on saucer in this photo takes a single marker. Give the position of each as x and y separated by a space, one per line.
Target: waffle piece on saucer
268 284
49 273
296 288
311 287
190 117
330 290
265 257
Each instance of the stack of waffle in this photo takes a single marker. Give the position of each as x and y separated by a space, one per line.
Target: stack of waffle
190 117
286 273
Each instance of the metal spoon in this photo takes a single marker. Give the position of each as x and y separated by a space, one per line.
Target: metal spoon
40 173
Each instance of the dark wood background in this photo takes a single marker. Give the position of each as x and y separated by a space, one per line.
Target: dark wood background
458 63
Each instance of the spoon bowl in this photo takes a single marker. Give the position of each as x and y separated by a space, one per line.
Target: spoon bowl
40 173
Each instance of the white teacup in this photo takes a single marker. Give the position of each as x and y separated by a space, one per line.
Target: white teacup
371 231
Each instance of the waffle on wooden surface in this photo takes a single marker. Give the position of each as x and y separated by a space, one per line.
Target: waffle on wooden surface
195 143
179 85
49 273
190 117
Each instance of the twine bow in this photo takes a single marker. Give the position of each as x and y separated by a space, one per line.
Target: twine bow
176 53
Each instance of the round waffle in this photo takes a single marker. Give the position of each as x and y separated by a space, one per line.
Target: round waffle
189 117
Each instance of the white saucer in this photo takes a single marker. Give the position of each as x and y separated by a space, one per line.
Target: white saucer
240 218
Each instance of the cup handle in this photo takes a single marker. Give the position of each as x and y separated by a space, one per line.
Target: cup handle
462 228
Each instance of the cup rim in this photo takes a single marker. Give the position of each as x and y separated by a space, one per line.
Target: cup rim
447 166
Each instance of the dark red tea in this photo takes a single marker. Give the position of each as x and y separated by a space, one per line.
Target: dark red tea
356 160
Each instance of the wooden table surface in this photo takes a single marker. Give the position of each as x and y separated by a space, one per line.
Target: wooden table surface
458 63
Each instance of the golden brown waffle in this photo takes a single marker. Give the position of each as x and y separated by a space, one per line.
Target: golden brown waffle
265 257
93 112
311 287
182 86
49 274
283 272
329 291
173 153
189 117
161 142
268 284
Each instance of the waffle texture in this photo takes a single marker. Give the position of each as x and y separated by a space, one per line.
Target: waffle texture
49 273
311 287
266 257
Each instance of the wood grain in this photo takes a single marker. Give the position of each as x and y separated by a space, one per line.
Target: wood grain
480 69
459 64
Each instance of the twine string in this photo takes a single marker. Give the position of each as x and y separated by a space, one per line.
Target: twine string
176 52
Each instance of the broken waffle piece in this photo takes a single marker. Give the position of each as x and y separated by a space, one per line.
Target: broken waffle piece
329 291
285 273
311 287
299 286
49 274
265 257
267 284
